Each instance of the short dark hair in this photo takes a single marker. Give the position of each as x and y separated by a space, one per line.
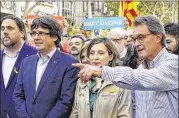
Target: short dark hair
51 24
112 50
19 23
153 24
81 36
172 29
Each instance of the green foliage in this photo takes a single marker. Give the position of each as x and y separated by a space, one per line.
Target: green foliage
113 7
165 11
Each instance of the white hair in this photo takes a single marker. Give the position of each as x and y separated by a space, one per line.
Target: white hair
119 31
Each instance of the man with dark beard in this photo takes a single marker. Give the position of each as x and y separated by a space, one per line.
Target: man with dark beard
172 37
76 43
12 37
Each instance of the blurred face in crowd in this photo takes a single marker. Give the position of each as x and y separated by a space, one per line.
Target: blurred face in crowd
171 43
75 46
99 55
10 33
118 41
126 25
147 44
84 58
128 37
42 39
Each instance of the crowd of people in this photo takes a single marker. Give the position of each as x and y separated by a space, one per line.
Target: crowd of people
131 73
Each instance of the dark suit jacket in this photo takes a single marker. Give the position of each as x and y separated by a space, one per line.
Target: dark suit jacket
7 103
55 93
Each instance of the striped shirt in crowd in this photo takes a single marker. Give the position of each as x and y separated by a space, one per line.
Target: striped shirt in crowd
156 89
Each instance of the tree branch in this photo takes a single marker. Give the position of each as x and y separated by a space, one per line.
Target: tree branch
146 7
26 9
165 11
155 8
36 4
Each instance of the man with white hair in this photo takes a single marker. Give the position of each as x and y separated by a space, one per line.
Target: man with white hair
128 55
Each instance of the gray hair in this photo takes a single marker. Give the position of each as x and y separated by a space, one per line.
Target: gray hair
154 26
119 31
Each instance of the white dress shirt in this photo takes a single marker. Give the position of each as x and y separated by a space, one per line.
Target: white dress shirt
7 65
41 66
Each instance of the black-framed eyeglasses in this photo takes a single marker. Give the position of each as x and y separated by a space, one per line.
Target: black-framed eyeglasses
33 34
140 38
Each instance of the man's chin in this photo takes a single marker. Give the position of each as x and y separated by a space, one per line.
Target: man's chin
74 53
8 45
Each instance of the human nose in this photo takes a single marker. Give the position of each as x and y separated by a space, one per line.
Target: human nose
137 43
4 31
95 56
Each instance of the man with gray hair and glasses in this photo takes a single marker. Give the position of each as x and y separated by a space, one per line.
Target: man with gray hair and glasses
155 81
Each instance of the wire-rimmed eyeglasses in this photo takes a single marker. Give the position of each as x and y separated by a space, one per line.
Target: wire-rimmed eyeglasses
140 38
33 34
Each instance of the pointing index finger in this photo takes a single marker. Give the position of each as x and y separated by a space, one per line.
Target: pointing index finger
79 65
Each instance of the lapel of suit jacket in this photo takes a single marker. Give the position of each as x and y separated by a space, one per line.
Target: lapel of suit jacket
2 81
33 70
52 63
21 56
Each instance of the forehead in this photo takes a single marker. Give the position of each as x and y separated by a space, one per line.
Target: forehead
9 22
39 28
99 47
115 35
76 39
170 37
141 29
129 32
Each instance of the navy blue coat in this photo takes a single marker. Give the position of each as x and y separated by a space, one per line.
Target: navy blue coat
7 103
55 93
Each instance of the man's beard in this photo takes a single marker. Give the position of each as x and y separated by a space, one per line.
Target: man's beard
74 51
176 51
10 45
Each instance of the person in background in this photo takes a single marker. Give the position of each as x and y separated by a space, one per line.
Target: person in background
128 38
46 82
76 42
132 48
65 44
127 54
83 54
99 98
155 81
13 36
172 37
126 24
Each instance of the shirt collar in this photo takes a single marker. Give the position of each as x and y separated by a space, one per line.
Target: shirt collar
49 55
17 53
156 59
